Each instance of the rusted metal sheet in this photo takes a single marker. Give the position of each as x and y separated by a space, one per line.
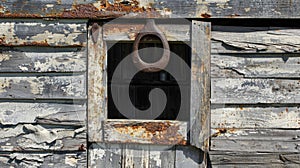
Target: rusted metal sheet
145 132
42 33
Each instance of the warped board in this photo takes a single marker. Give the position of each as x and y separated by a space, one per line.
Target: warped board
49 87
256 65
75 159
255 117
252 91
42 33
42 59
13 113
29 137
255 140
238 39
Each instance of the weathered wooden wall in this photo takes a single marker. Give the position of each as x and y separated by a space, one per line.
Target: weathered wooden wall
43 93
255 116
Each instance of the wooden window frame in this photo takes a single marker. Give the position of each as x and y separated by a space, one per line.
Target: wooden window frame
163 132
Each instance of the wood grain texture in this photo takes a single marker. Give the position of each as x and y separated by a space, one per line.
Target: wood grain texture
145 131
28 137
23 160
105 155
13 113
97 83
255 140
126 32
42 33
160 8
255 39
252 91
256 65
253 159
189 156
200 85
50 87
255 117
44 59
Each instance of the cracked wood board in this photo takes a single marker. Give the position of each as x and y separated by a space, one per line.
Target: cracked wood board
49 87
238 39
255 117
256 65
44 59
14 113
14 159
254 159
42 33
255 140
28 137
252 91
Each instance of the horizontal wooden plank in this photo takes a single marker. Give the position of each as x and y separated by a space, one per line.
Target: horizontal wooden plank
50 87
38 33
32 59
30 137
145 131
256 65
255 117
251 91
127 32
13 113
238 39
255 140
76 159
158 8
219 158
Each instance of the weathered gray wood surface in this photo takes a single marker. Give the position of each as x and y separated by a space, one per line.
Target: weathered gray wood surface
153 156
238 39
159 8
33 59
253 159
251 91
13 113
31 137
97 83
255 117
256 65
49 87
24 160
200 85
145 131
42 33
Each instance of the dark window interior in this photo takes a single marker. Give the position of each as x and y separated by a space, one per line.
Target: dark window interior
144 82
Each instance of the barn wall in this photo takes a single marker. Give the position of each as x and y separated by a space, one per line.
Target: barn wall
43 93
255 97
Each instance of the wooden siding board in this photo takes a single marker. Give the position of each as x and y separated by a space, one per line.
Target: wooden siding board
255 39
23 160
200 85
41 33
161 156
189 156
42 60
257 66
255 140
13 113
252 91
29 137
255 117
105 155
145 131
159 8
49 87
